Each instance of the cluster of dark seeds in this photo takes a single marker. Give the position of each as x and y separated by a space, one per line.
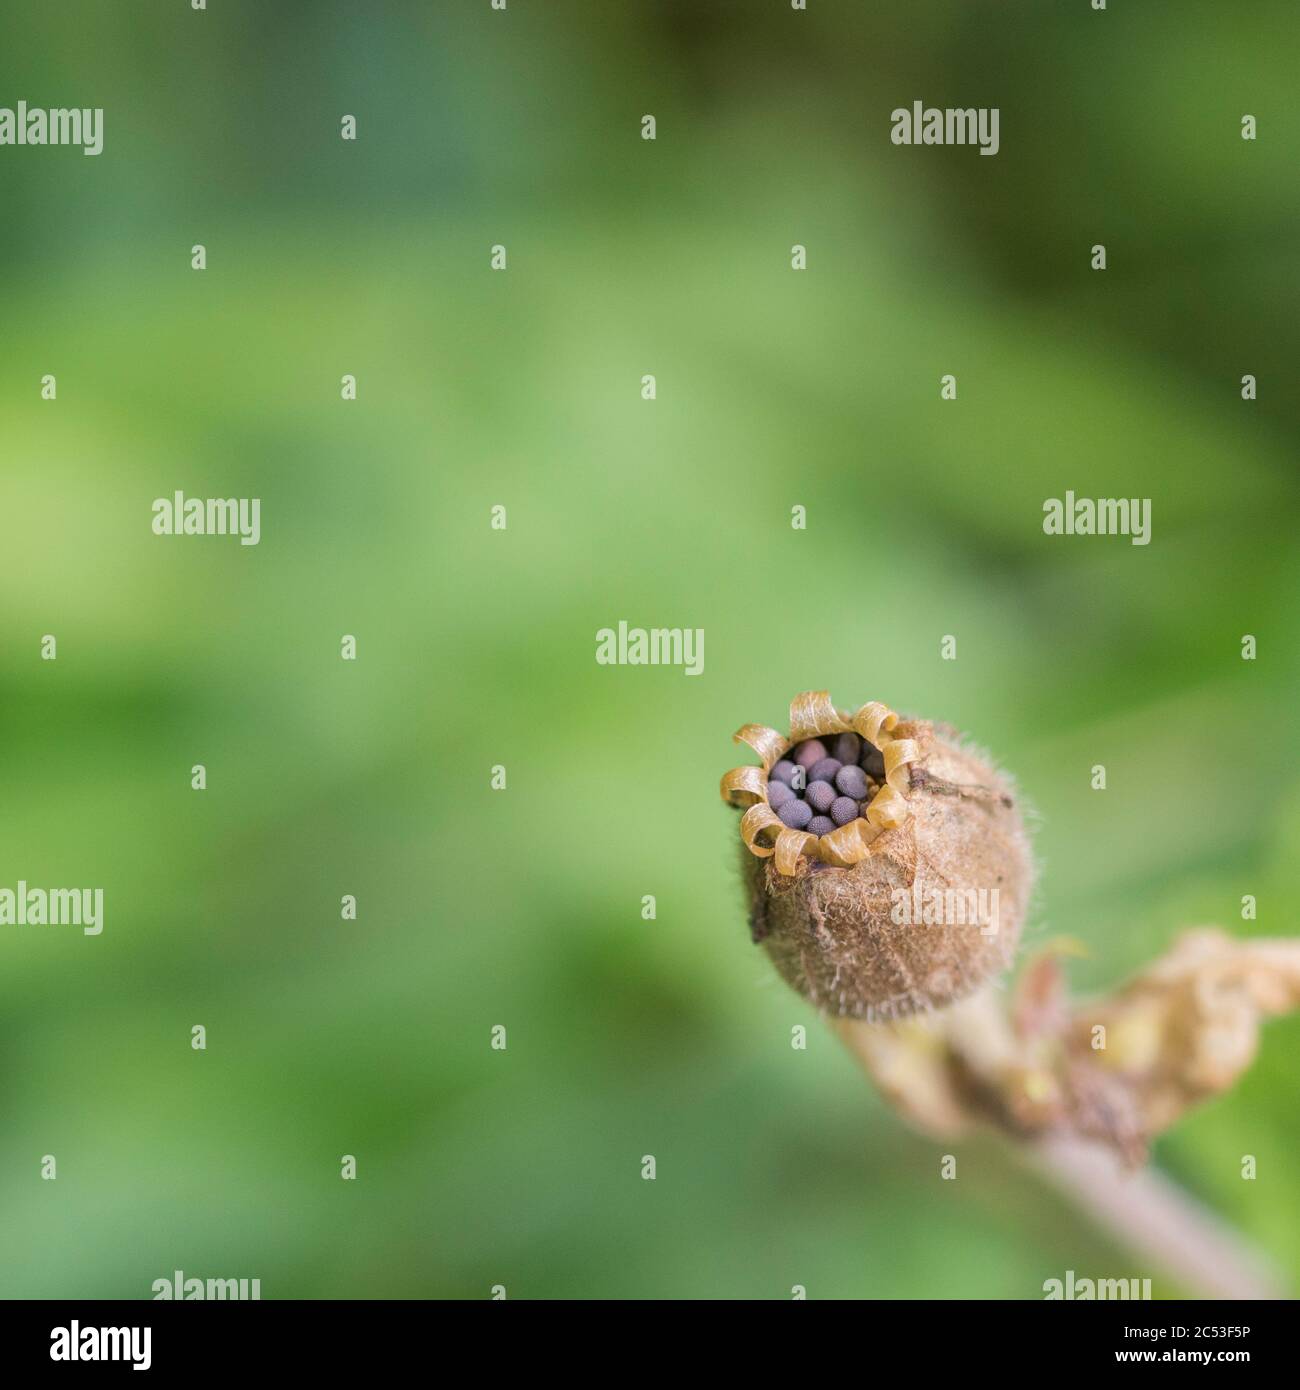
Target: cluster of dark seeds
816 789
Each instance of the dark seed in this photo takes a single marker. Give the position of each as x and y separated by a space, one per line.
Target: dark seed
872 760
795 813
850 781
820 795
810 751
848 748
843 810
781 772
821 825
778 794
824 770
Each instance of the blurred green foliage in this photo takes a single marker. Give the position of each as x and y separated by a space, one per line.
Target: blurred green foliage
522 908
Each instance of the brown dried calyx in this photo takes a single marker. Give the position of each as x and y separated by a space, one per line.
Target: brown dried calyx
913 904
1117 1071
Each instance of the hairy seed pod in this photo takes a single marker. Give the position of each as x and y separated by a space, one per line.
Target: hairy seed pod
911 905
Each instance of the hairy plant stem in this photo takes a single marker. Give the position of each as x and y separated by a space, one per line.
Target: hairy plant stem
1161 1223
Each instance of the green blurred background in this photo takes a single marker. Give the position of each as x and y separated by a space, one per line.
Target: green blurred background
775 388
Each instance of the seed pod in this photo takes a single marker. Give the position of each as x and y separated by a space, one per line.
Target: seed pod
872 761
848 748
824 770
795 813
777 792
852 781
908 907
810 752
819 796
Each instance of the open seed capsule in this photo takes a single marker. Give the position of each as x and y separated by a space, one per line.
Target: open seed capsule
916 897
